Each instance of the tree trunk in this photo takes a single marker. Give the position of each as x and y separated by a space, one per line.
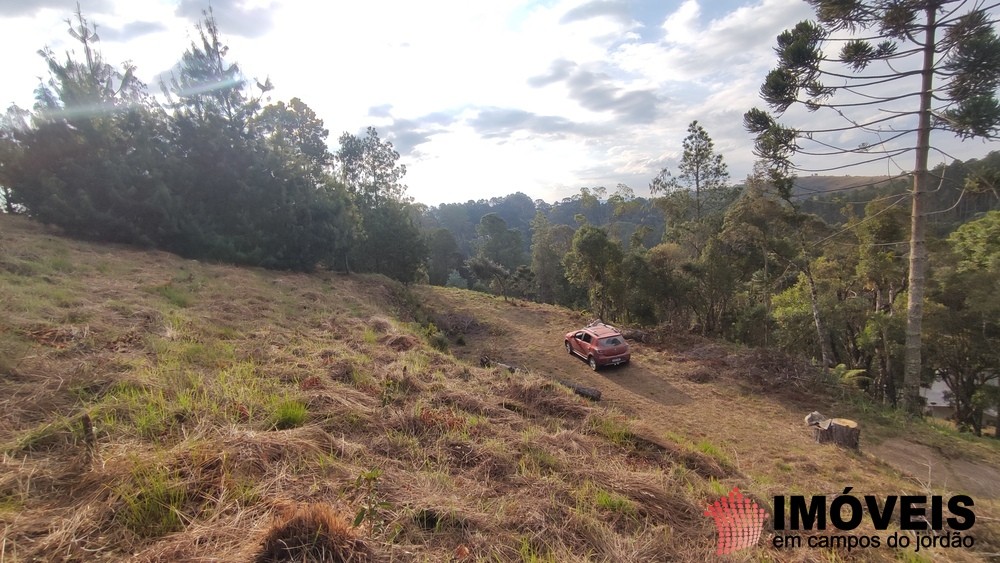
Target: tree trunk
824 338
889 391
918 249
767 297
840 431
996 421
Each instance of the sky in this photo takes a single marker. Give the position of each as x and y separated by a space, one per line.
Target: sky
480 98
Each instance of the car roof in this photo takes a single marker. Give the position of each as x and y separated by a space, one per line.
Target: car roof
602 331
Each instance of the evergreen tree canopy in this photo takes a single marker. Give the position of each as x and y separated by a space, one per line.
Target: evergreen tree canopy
926 65
213 177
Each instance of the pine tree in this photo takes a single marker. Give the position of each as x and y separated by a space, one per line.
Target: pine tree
92 160
941 72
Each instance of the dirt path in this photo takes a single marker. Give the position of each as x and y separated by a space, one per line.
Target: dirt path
931 469
761 436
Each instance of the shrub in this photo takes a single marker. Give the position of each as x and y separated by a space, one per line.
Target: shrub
456 280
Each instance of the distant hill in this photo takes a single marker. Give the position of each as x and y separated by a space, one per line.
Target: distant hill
806 185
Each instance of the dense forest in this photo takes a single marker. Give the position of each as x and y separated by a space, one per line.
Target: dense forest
209 171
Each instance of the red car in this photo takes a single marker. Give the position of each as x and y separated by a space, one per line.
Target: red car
600 344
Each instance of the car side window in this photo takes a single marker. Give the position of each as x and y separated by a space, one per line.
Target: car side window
586 338
578 336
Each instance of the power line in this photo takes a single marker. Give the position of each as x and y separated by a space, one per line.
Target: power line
862 222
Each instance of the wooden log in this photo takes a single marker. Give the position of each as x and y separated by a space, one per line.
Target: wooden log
841 431
591 393
636 335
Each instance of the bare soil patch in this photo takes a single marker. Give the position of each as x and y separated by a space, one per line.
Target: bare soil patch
933 470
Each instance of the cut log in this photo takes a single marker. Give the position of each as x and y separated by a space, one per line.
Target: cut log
636 335
591 393
841 431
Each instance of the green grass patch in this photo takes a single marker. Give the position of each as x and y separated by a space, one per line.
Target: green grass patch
717 488
289 413
11 503
188 352
613 428
61 264
369 336
213 354
165 397
176 296
243 490
416 362
614 502
708 448
909 556
60 296
537 461
152 501
437 339
12 350
947 430
590 497
77 316
44 436
20 268
406 443
363 380
530 552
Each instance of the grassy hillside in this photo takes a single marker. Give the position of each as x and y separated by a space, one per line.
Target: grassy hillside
159 409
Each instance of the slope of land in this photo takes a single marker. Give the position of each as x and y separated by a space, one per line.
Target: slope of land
160 409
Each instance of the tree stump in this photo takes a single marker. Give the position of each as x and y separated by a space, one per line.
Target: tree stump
841 431
89 437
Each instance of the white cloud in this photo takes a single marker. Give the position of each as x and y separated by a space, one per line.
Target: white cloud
682 26
483 98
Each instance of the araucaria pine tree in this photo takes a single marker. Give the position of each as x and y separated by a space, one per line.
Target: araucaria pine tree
902 69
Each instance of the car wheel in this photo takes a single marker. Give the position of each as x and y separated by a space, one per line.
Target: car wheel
569 348
592 362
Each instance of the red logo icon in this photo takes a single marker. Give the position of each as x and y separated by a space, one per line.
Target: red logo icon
739 521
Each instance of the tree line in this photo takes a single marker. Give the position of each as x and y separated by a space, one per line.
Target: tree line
753 266
214 172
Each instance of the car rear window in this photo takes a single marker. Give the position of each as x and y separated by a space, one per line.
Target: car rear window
611 341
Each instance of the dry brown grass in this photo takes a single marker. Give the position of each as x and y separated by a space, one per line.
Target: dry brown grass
312 532
181 377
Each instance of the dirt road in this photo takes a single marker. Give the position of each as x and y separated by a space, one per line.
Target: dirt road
761 436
